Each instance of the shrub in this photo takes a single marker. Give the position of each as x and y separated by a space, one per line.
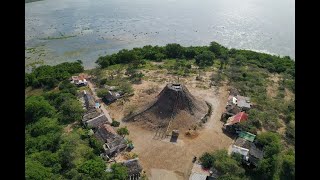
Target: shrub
115 123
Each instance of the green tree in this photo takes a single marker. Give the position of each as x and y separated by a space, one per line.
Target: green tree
217 49
67 87
174 50
96 145
66 155
36 171
47 142
268 167
271 142
206 160
37 107
60 98
119 172
290 131
288 167
125 56
123 131
115 123
47 159
101 93
93 167
222 162
160 56
44 126
126 87
71 110
229 177
205 59
190 52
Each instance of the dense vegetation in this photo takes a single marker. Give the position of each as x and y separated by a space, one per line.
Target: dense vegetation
228 167
249 73
52 151
46 76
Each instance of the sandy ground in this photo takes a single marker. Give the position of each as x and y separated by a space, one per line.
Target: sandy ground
69 127
272 88
288 95
162 159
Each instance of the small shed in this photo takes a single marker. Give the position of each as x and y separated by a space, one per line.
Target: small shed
241 142
197 176
243 102
134 168
89 100
255 154
240 117
174 136
115 145
97 105
240 150
247 136
110 97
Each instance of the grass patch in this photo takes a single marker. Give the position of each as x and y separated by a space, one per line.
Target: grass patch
33 92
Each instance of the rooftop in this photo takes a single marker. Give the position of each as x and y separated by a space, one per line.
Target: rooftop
248 136
241 142
197 176
240 150
175 87
133 166
243 101
240 117
97 121
255 152
105 133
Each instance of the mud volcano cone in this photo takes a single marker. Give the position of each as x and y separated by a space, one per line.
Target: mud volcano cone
174 105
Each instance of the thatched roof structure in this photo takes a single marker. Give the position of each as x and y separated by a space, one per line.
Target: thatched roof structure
92 114
232 110
115 145
174 104
105 133
97 121
89 100
134 167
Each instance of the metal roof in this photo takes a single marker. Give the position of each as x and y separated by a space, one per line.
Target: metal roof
247 136
197 176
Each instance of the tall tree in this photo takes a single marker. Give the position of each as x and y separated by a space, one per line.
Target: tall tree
93 167
205 59
71 110
123 131
37 107
118 172
174 50
36 171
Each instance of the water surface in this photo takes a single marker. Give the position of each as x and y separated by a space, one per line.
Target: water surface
90 28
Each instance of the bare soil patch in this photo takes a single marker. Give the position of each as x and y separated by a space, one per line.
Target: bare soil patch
160 157
273 85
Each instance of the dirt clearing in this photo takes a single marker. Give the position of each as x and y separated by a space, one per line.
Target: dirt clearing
161 158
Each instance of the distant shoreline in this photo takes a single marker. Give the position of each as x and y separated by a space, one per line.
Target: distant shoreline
30 1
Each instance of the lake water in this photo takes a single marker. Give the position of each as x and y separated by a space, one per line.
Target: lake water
90 28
